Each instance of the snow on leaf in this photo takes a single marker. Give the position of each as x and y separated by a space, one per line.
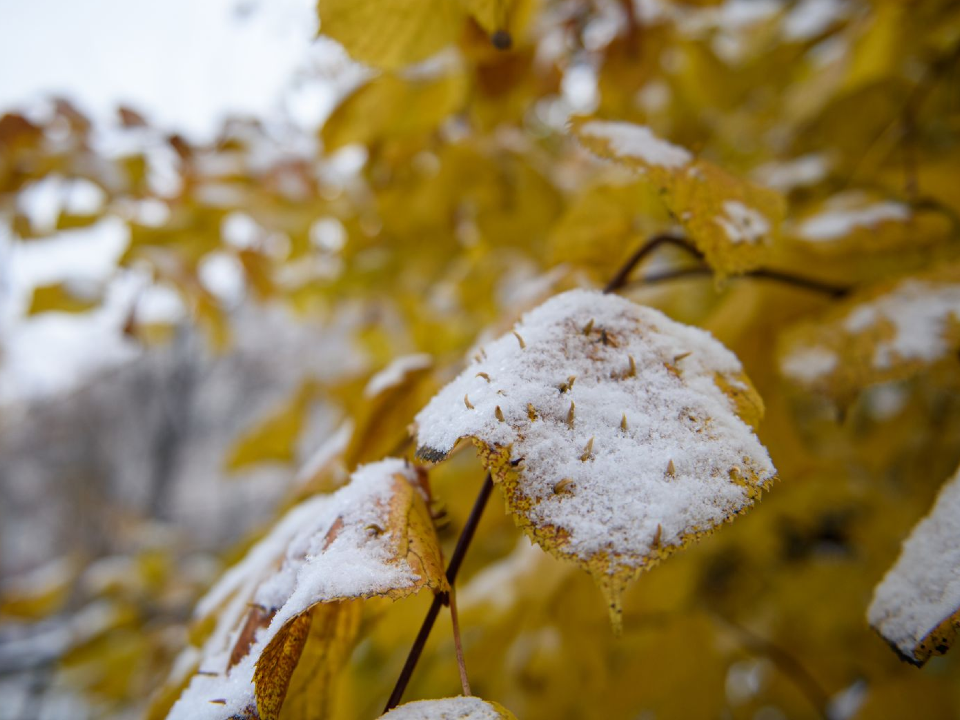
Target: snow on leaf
731 221
885 333
396 372
613 431
916 607
457 708
291 595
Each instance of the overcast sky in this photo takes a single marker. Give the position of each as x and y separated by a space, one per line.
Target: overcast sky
183 63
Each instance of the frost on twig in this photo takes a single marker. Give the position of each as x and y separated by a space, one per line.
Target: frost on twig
887 333
916 608
292 599
458 708
647 450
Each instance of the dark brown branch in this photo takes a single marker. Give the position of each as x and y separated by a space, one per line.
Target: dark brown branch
835 291
623 274
463 543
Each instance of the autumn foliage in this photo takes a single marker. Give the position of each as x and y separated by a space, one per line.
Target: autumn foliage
682 280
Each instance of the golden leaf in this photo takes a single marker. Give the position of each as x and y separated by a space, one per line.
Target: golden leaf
276 665
615 496
291 597
888 332
390 33
59 297
731 221
275 437
390 106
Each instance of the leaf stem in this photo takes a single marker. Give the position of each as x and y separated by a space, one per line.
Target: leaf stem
455 620
463 543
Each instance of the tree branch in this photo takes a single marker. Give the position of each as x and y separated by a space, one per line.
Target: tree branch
463 543
619 280
622 278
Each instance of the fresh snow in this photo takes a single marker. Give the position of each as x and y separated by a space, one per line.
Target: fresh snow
396 372
922 589
458 708
919 313
808 364
636 141
798 172
290 570
742 224
836 224
621 489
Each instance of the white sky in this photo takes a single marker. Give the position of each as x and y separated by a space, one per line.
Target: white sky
182 63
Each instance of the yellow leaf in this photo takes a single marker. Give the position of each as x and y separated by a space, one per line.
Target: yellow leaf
275 438
614 432
731 221
291 594
276 665
333 632
390 107
59 297
389 34
888 332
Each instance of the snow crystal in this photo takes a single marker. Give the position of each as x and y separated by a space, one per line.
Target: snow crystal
835 224
808 364
396 372
742 224
636 141
649 454
458 708
314 565
922 589
919 313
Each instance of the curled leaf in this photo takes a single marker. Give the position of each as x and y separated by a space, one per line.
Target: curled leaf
457 708
583 483
889 332
291 595
731 221
916 608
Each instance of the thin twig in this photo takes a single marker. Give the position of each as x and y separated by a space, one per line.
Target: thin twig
623 274
622 278
463 543
455 620
835 291
785 662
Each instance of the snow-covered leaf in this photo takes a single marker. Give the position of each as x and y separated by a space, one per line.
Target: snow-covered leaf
291 595
617 434
916 608
457 708
889 332
731 221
